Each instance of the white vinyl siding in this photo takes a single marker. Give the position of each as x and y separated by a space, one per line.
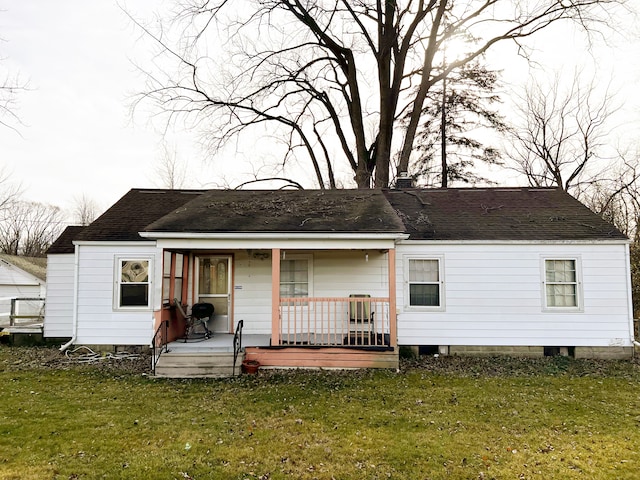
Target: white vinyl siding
58 317
494 297
334 274
99 323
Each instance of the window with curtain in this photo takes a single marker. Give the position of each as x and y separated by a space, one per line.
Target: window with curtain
424 282
561 283
133 279
294 277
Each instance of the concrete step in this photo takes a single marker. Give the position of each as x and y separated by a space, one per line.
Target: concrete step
197 365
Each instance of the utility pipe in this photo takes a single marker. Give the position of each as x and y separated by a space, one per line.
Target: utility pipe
74 315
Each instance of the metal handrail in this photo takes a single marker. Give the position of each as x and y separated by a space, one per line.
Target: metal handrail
237 344
159 343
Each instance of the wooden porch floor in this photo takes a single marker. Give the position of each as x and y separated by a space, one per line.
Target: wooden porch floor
257 347
220 342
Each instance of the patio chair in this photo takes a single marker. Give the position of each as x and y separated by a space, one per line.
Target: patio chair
360 311
201 313
361 321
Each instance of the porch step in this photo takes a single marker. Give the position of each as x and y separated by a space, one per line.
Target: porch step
198 365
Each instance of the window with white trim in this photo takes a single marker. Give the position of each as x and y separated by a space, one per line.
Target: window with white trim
561 283
296 276
133 281
424 282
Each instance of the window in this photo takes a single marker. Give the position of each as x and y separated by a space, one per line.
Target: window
424 282
561 283
172 274
166 277
295 276
133 281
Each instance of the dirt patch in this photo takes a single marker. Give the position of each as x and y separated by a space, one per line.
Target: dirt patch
32 358
502 366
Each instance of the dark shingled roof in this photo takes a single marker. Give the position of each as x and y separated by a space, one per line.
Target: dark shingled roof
64 243
497 214
425 214
342 211
134 211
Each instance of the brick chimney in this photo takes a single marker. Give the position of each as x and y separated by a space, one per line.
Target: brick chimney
404 181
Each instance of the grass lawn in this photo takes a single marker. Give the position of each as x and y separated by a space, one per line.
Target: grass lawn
453 418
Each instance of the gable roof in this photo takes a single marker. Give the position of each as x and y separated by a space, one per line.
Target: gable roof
64 243
517 214
133 212
34 266
343 211
498 214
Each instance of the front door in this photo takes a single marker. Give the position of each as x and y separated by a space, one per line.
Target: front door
214 286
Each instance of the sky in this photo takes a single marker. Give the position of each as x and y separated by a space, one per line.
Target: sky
77 136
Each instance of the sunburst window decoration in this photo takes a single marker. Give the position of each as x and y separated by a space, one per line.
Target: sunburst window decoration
135 271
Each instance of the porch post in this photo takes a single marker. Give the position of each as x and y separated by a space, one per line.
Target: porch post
275 296
393 319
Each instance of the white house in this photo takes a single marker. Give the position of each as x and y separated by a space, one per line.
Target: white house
511 271
342 278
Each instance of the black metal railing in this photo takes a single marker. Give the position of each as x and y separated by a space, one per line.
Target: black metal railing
159 343
237 344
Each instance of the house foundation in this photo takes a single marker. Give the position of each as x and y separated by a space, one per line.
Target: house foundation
604 353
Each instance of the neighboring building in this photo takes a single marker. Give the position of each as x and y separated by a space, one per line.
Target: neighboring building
21 277
340 278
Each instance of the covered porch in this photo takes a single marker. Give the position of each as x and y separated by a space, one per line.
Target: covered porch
284 326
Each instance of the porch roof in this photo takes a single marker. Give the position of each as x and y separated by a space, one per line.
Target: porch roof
282 211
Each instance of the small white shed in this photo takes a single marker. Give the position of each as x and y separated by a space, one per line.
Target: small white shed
21 277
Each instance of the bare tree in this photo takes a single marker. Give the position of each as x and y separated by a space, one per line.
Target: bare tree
564 140
85 210
9 191
30 229
562 135
170 172
331 79
10 86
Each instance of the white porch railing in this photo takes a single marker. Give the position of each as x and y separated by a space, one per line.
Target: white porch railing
358 320
22 311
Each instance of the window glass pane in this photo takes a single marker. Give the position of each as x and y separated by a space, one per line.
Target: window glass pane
178 289
135 271
134 295
179 264
165 289
423 271
294 278
424 295
560 270
213 276
562 295
166 264
286 290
